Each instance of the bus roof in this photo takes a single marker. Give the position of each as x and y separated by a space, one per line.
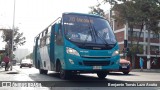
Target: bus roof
91 15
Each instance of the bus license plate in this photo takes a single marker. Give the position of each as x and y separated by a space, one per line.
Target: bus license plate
97 67
124 66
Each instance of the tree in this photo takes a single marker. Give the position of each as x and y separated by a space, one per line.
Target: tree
18 40
137 13
97 10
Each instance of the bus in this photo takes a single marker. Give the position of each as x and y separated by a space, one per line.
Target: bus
77 43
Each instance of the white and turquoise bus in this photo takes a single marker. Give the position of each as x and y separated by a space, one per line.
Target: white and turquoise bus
77 43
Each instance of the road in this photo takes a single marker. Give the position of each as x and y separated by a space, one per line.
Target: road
84 81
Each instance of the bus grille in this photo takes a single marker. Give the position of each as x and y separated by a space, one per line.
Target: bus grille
96 63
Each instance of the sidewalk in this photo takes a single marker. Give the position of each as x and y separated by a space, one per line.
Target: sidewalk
13 71
146 70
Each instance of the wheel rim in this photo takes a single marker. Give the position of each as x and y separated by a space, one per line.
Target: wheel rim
62 72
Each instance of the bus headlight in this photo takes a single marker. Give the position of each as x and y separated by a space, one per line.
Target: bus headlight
72 51
115 53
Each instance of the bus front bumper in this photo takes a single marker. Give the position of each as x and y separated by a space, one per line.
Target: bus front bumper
88 64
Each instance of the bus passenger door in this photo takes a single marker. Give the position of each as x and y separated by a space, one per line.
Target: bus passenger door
35 53
52 48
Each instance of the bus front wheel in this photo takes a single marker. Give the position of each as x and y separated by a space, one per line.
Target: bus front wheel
63 73
126 72
102 75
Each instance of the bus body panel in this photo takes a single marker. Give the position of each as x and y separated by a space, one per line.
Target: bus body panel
92 57
45 59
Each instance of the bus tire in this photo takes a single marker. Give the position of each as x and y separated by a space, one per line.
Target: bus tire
126 73
45 72
101 75
63 73
41 71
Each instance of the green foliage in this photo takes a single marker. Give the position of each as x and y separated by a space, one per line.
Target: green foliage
97 10
137 12
18 38
133 49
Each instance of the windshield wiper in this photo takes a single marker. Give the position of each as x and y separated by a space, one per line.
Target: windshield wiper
98 34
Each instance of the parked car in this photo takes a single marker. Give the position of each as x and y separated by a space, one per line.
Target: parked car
125 66
3 64
26 63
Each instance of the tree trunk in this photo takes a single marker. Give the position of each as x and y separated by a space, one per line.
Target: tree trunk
131 45
137 48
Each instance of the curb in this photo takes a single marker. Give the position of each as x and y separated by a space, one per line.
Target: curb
13 71
146 70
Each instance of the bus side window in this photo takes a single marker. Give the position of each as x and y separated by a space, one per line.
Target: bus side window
42 40
48 40
59 38
49 31
47 37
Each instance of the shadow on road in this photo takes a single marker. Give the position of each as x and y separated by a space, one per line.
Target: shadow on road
53 80
121 74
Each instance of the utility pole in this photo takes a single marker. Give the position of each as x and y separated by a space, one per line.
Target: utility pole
148 51
13 27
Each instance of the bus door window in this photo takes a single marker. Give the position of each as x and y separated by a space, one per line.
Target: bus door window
59 38
38 40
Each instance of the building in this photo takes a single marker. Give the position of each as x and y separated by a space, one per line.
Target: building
122 32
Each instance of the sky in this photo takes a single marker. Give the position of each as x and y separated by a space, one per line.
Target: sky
32 16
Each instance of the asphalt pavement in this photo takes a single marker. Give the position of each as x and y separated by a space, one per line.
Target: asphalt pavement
19 74
146 70
14 71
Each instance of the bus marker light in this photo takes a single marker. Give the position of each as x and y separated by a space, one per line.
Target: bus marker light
71 61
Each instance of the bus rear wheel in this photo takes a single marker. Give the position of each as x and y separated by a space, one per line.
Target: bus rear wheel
42 71
102 75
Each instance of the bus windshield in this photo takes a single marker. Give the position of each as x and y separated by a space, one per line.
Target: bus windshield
88 29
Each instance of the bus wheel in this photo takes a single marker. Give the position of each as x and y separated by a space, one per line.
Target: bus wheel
63 73
41 71
102 75
126 73
45 72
